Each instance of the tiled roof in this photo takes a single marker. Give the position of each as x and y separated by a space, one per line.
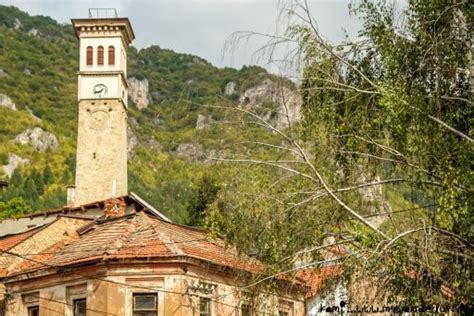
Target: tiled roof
10 241
316 279
141 236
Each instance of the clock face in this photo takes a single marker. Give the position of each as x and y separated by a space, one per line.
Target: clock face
100 90
99 120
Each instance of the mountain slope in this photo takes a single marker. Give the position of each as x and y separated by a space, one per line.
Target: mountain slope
177 119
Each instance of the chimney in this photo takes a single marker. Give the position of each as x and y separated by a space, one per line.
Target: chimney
71 195
115 207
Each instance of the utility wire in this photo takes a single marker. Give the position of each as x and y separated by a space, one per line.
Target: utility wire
126 247
67 304
402 210
124 284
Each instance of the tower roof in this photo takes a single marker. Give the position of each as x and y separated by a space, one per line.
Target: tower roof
92 25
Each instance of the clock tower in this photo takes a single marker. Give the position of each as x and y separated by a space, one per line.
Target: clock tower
101 161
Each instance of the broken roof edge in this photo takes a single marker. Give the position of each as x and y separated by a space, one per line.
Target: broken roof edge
65 210
148 206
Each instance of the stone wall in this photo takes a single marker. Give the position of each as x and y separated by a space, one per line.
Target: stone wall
101 165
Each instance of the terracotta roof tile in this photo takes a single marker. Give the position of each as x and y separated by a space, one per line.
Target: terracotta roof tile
143 236
316 279
10 241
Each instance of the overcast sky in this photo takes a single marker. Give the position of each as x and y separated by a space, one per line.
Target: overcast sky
199 27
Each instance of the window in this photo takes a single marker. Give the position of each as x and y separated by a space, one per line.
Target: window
285 308
204 306
111 55
79 307
145 304
100 55
89 53
33 311
245 310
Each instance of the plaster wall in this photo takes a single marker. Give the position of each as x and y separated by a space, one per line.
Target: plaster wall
104 39
178 291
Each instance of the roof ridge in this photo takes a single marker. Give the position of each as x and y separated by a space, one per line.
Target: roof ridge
169 243
119 243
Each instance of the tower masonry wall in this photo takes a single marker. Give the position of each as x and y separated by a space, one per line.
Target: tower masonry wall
101 166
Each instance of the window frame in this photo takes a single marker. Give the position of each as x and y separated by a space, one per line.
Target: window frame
33 308
247 305
76 300
209 306
89 56
111 55
100 55
285 308
144 311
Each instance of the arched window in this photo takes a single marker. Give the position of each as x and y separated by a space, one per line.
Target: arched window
89 56
100 55
111 55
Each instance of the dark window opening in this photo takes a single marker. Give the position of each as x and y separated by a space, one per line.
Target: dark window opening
33 311
94 155
100 55
145 304
79 307
111 55
89 56
204 306
245 310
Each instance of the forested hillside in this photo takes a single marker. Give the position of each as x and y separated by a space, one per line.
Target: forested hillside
177 118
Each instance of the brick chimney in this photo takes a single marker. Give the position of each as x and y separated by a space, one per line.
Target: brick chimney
115 207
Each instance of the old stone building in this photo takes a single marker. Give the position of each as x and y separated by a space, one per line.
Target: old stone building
108 252
138 264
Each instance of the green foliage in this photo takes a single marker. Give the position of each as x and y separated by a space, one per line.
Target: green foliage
205 196
379 104
41 75
15 207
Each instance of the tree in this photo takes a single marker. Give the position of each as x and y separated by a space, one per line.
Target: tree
14 207
391 110
48 176
204 197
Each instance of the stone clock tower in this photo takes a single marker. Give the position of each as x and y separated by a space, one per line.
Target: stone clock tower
101 165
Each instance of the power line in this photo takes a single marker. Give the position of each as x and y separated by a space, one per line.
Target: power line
128 247
402 210
125 284
66 303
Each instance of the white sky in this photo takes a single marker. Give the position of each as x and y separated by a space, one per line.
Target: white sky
199 27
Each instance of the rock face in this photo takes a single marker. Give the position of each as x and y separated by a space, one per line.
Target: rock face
38 138
230 88
287 103
203 121
375 199
14 161
138 92
18 25
32 114
132 142
2 73
5 101
192 151
33 32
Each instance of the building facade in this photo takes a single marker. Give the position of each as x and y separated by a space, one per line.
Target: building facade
138 264
101 164
108 252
